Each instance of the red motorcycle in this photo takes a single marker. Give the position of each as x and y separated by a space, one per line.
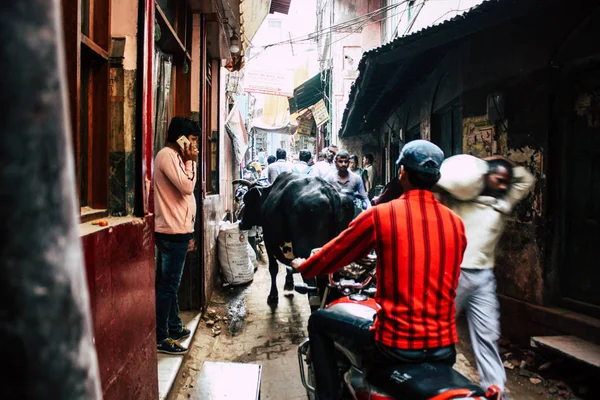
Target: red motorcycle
352 289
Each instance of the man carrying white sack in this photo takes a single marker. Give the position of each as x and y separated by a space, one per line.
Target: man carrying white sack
482 193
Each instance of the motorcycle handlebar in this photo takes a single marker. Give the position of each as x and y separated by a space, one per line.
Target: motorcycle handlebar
349 283
244 182
303 288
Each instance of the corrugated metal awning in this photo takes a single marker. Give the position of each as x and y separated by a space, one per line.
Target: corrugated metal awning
310 92
387 74
280 6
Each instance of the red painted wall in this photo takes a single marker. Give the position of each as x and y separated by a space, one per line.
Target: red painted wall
120 272
119 262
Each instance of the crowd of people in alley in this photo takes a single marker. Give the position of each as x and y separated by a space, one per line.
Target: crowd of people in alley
442 234
335 166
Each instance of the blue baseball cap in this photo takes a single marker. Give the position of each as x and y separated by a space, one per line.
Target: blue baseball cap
422 156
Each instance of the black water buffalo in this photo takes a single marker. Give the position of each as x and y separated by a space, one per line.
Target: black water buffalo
297 213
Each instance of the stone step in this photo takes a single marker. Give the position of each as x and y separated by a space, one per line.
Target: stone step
226 380
168 365
570 346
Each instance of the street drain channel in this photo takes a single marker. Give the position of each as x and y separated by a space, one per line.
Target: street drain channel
237 309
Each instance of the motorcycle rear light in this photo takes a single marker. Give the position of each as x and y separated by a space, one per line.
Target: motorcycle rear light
493 393
455 394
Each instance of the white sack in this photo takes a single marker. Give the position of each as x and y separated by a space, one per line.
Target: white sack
236 265
252 255
463 176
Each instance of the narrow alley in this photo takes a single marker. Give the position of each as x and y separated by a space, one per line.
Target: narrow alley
250 331
417 157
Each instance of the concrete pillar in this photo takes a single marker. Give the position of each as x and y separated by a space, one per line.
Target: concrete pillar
45 329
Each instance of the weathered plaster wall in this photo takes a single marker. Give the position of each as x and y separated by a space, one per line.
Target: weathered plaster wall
122 140
216 207
213 213
124 23
123 73
522 137
347 49
360 145
370 33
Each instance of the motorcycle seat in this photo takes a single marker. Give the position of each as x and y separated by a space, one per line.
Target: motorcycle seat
420 381
363 316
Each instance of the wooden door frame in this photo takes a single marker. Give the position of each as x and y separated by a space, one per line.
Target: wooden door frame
451 107
562 95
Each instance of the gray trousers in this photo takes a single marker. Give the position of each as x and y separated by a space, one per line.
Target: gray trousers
476 296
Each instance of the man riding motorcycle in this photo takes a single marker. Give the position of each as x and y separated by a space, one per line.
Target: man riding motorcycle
419 245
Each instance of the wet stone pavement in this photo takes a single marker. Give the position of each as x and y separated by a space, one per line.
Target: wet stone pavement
251 332
240 327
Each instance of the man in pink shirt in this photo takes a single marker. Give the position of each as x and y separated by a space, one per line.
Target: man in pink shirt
175 209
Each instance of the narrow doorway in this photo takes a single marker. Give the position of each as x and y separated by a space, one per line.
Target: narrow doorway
446 130
580 276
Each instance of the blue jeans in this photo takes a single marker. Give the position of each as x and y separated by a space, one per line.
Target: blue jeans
325 327
171 260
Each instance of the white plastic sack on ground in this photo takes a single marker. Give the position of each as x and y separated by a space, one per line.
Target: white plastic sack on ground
236 264
463 176
252 255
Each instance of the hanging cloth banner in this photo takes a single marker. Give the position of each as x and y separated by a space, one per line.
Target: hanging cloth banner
320 113
275 81
284 130
234 125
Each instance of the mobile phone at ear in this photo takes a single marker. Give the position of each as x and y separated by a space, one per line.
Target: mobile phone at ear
182 141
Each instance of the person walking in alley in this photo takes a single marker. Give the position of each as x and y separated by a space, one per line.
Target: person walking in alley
175 207
344 180
265 172
369 174
504 185
416 279
302 167
279 166
353 165
325 167
331 152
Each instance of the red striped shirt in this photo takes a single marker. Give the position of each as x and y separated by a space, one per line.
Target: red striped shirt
419 245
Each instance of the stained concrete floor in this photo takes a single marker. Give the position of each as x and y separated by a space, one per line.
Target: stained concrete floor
257 333
254 333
